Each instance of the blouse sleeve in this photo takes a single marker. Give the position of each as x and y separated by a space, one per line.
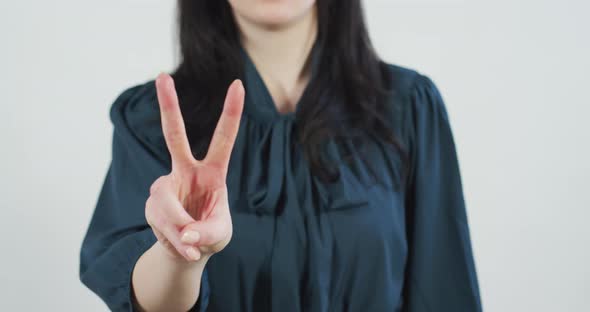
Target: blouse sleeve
118 233
440 272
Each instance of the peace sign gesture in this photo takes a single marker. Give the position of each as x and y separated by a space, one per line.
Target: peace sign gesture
188 209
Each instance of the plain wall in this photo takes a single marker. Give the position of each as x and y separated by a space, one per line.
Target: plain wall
514 75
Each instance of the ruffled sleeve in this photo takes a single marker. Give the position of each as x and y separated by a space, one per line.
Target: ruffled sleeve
440 272
118 233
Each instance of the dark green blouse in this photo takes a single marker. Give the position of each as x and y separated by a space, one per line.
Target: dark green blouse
300 244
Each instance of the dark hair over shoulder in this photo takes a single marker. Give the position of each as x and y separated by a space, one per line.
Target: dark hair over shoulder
350 76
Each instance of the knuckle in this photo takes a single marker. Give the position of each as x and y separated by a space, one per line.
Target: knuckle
174 135
154 188
153 216
157 185
149 213
225 137
190 227
149 204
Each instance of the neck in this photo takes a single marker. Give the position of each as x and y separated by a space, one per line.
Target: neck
285 47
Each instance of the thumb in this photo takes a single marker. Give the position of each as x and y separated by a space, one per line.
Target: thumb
210 235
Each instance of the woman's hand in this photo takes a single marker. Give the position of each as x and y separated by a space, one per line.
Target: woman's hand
188 209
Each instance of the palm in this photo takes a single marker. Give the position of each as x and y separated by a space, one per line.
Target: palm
198 185
205 199
204 188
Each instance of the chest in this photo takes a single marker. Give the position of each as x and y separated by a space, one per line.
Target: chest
280 209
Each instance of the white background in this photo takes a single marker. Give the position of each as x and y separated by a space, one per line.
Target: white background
514 75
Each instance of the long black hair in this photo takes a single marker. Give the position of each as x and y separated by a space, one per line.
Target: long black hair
353 78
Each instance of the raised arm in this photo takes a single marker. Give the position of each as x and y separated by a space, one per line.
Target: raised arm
159 219
187 209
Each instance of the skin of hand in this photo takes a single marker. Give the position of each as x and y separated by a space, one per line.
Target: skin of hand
188 208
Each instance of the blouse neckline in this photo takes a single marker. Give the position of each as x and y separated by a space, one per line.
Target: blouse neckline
259 101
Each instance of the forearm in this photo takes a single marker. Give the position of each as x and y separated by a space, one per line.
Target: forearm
161 283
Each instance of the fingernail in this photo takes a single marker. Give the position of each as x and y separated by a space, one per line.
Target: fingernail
190 237
192 253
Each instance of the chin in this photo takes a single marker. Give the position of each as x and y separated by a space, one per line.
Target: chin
271 13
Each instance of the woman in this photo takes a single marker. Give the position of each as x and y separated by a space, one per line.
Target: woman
327 181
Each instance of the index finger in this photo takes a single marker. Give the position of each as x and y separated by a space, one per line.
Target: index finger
172 122
227 127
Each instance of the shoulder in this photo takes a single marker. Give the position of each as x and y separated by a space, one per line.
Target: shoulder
135 100
407 83
413 98
400 78
135 115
